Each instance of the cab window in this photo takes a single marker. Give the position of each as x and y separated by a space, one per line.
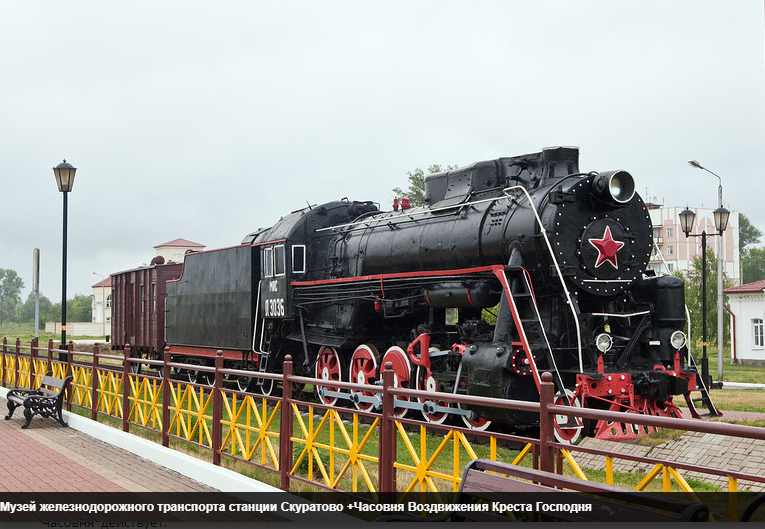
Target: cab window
298 259
279 263
268 262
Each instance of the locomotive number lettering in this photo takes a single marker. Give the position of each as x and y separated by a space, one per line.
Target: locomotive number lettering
273 308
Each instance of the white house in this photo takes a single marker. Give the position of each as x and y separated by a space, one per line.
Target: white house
102 304
674 251
175 250
747 303
101 296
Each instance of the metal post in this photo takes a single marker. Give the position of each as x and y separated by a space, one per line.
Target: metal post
387 447
285 426
32 361
69 372
720 329
546 423
2 364
36 287
50 354
704 359
63 279
165 397
94 385
217 433
18 365
126 390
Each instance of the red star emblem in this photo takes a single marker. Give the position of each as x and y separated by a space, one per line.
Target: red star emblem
607 248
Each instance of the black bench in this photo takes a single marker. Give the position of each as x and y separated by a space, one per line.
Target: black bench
45 400
531 494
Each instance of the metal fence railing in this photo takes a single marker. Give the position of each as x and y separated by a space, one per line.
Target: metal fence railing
306 443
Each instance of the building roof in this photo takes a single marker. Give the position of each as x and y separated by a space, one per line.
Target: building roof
180 243
103 284
756 287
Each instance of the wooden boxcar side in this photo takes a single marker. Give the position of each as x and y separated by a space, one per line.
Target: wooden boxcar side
138 307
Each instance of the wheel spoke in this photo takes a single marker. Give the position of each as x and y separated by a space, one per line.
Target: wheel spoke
363 370
477 423
401 373
568 430
426 382
328 368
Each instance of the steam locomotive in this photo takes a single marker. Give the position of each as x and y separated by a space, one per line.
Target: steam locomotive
513 267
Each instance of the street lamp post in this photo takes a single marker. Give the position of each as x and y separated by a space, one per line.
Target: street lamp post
103 303
64 173
720 329
687 218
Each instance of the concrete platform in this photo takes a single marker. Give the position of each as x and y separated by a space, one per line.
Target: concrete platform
89 457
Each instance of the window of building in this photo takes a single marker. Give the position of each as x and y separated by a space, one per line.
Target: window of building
671 267
154 297
758 340
670 250
669 233
109 301
143 305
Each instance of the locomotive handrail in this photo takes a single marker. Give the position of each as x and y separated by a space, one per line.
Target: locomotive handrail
263 326
624 315
543 232
410 214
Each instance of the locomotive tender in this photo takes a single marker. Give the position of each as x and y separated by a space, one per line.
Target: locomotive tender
513 267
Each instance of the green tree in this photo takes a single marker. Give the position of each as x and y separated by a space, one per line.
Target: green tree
28 309
747 233
753 265
752 259
10 294
80 308
693 299
416 190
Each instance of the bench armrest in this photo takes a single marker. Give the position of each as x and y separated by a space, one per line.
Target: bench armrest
22 392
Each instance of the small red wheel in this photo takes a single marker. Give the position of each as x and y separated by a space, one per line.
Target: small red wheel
477 423
568 430
426 382
363 370
328 368
401 373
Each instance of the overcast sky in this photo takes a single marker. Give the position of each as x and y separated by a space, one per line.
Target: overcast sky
206 120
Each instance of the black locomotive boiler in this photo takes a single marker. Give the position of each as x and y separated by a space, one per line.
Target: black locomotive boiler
513 267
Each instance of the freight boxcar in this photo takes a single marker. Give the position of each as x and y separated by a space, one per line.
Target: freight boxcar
138 308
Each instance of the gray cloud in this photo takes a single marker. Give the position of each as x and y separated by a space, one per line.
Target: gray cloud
206 120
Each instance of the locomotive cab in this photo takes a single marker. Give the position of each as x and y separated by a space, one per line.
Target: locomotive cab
294 252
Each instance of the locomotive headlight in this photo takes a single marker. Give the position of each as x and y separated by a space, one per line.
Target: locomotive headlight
604 342
677 339
616 186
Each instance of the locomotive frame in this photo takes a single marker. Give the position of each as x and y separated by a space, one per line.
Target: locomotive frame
345 288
